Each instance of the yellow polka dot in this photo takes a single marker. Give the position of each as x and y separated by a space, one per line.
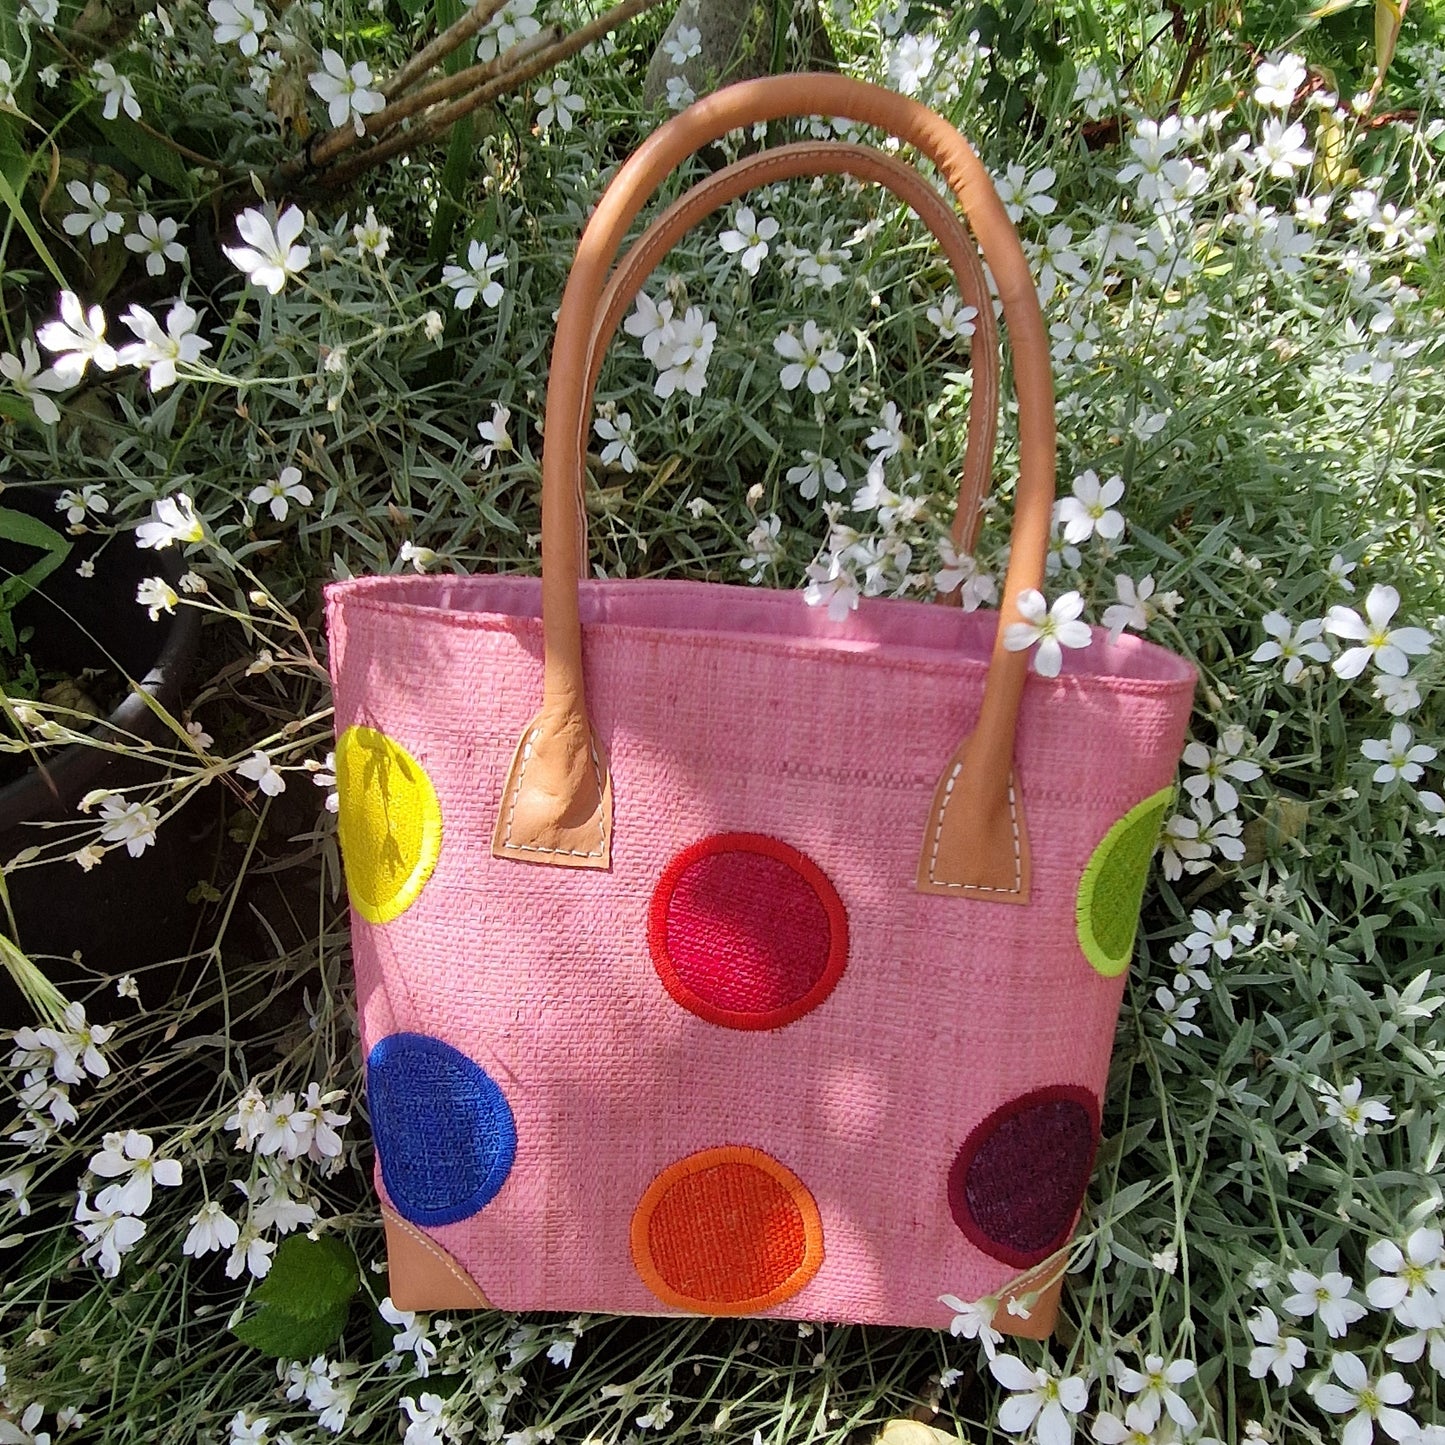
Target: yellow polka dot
390 823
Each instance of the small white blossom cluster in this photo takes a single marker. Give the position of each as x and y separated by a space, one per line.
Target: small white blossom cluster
679 347
114 1225
324 1385
51 1061
1212 827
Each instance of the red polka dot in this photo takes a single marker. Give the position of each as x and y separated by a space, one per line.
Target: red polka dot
1016 1186
746 932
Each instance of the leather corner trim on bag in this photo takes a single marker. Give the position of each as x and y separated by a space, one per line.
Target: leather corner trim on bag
422 1275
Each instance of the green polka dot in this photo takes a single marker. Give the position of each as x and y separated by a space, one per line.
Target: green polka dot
1112 888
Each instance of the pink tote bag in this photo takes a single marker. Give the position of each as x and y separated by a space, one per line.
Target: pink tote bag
716 957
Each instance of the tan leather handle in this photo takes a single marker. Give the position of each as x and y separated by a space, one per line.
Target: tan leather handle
975 843
811 158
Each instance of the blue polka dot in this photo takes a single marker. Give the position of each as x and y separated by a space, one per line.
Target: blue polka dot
444 1131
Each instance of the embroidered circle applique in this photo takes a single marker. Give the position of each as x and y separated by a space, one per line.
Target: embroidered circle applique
445 1135
1112 888
727 1231
747 932
389 822
1017 1183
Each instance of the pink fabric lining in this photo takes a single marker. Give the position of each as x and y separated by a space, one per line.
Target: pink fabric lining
727 614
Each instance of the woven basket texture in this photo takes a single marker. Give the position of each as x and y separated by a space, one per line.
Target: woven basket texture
738 710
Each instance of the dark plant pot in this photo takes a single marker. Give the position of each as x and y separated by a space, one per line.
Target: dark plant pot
126 914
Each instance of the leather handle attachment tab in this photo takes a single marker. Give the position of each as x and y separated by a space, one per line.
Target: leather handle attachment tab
557 804
814 158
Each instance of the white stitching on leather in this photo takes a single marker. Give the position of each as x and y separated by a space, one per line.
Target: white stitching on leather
507 842
1013 818
436 1251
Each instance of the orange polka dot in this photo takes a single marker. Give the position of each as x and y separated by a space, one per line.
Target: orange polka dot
727 1231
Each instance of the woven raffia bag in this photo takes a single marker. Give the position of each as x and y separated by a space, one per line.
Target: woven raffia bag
713 956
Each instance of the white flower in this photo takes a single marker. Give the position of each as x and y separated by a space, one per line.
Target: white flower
1410 1276
1093 91
477 278
261 771
29 383
347 93
911 59
118 91
280 492
686 43
952 320
689 350
1386 647
324 1142
129 1156
1328 1295
157 595
15 1184
1348 1109
1154 1387
76 339
814 359
763 540
247 1429
371 237
1136 607
1291 645
420 557
1339 572
831 583
1277 82
816 470
240 20
1398 760
887 438
429 1422
494 434
1217 769
1136 1428
1400 695
1050 628
1022 192
159 351
616 431
1282 150
270 255
512 23
680 94
95 214
1038 1396
1087 513
652 323
133 824
411 1337
973 1320
1283 1354
1151 145
1218 932
211 1228
156 241
749 238
962 571
251 1253
1178 1015
1371 1400
172 519
558 104
109 1234
433 325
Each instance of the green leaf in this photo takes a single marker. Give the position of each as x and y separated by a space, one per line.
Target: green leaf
309 1276
284 1336
31 532
303 1302
16 208
144 151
